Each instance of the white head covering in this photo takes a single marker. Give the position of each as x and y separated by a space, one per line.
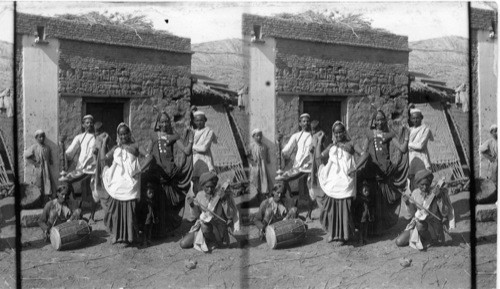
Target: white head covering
305 115
88 116
415 110
492 127
199 113
256 130
39 132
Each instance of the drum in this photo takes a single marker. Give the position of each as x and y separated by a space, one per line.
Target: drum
70 235
285 233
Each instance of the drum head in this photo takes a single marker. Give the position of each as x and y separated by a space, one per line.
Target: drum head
271 237
55 238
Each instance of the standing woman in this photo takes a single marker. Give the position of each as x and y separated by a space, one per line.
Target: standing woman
336 180
122 183
387 181
169 160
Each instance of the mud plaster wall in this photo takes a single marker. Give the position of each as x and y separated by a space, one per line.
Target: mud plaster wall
146 77
368 78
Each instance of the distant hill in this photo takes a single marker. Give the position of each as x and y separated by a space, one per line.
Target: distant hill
221 60
444 58
6 64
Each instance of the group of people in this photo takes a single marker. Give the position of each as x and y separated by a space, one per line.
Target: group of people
357 187
142 191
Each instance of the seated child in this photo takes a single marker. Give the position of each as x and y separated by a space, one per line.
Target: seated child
57 211
425 228
276 208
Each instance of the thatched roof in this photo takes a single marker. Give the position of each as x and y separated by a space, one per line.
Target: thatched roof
420 92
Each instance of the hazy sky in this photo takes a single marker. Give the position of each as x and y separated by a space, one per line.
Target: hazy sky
207 21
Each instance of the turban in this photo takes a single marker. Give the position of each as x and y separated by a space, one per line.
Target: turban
199 113
39 132
415 110
88 116
208 177
257 130
423 174
304 115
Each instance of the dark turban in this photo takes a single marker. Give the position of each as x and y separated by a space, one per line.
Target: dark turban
208 177
423 174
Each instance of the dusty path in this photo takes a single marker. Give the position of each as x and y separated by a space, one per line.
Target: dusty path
314 264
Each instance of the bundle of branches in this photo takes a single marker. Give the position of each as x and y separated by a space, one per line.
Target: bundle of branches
130 20
351 20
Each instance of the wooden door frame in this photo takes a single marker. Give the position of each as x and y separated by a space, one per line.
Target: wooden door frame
124 101
327 98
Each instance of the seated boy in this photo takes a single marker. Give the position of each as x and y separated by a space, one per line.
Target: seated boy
276 208
431 210
57 211
215 211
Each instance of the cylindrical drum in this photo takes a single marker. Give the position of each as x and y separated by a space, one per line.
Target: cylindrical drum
70 235
285 233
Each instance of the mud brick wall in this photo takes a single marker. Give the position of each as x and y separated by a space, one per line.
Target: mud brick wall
97 33
368 78
147 77
326 33
483 19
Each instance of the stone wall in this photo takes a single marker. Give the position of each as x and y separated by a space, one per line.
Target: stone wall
367 78
147 77
326 33
483 19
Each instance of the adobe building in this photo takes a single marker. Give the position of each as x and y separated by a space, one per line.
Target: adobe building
68 69
330 72
484 52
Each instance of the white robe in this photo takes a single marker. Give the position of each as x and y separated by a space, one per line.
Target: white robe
85 142
333 178
201 148
118 179
419 136
301 142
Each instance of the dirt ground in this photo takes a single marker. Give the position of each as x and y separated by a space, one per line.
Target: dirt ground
313 264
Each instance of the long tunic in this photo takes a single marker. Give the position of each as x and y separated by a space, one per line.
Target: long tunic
119 179
202 157
417 145
41 156
490 148
387 181
259 175
84 142
333 177
172 169
301 142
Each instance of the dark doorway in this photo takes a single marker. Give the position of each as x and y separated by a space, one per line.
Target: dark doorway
325 111
111 114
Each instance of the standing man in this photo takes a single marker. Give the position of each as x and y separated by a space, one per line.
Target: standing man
420 134
489 150
300 143
86 163
202 157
